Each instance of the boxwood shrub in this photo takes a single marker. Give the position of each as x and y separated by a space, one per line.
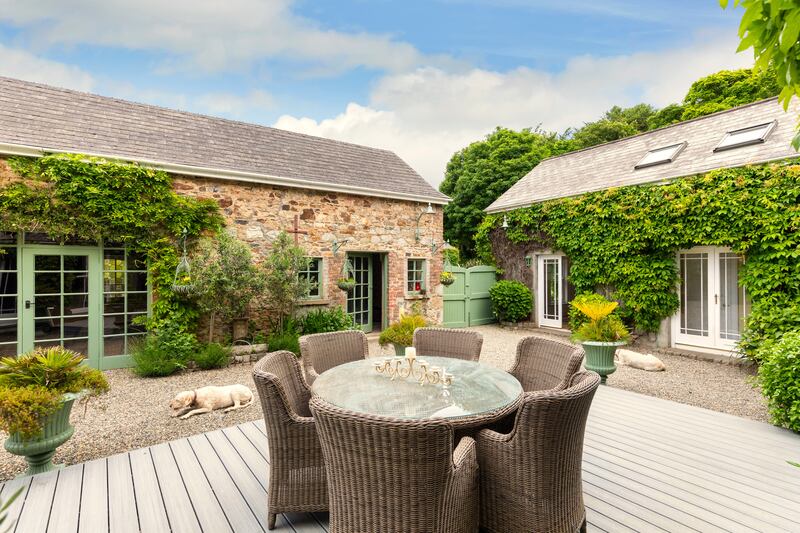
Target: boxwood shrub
779 377
511 300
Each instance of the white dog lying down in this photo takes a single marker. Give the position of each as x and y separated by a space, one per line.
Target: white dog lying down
194 402
648 362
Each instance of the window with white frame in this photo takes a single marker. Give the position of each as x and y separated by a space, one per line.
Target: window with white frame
313 273
415 276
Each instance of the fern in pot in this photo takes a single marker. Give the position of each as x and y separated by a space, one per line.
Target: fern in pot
600 335
37 391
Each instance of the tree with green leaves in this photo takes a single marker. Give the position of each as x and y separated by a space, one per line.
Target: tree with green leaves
285 286
616 123
772 28
481 172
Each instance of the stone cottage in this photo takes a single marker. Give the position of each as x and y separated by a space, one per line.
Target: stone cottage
342 202
713 304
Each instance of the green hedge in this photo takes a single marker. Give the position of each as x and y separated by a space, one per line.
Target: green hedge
512 301
779 377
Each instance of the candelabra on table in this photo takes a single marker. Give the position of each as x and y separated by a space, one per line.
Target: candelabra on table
418 369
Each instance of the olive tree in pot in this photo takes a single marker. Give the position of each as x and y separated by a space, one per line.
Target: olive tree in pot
37 391
600 335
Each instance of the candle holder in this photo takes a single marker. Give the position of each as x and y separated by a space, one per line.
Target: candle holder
411 367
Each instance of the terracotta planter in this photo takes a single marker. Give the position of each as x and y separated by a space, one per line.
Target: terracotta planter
600 357
39 451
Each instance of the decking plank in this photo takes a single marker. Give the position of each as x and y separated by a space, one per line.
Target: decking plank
624 518
122 513
149 500
94 498
38 502
208 509
240 516
7 490
177 503
66 501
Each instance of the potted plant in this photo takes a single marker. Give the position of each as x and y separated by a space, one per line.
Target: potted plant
447 278
400 334
600 335
37 391
346 284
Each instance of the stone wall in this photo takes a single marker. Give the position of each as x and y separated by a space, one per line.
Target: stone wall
259 212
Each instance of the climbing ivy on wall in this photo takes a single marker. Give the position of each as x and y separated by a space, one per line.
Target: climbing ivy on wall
626 239
74 196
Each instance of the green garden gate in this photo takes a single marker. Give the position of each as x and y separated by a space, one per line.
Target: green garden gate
466 301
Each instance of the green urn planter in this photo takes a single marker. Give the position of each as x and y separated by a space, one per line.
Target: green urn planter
600 357
399 349
39 451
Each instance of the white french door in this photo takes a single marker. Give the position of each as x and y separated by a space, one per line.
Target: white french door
550 295
713 306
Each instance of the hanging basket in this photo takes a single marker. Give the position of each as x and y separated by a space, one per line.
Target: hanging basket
347 282
183 284
447 278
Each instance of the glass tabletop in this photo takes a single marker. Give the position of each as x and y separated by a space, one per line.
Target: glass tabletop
476 389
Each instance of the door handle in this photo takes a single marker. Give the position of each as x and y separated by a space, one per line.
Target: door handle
27 304
716 299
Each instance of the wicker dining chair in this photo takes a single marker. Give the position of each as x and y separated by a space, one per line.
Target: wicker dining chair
544 364
297 469
531 477
447 342
391 475
323 351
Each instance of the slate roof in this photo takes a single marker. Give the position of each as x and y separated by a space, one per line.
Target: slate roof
59 120
612 164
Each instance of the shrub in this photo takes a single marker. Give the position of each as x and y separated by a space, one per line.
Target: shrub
286 340
213 355
602 325
32 384
163 352
325 321
402 331
511 300
768 321
779 377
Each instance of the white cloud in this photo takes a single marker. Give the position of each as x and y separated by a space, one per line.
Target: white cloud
206 34
427 114
21 64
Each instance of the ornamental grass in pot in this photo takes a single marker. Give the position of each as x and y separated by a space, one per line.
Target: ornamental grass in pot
600 335
37 391
400 334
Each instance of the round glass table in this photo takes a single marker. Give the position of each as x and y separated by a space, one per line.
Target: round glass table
479 394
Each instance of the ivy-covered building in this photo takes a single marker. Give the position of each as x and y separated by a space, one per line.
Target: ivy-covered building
692 227
342 202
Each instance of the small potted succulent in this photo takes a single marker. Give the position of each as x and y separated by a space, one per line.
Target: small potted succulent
400 334
600 335
447 278
37 391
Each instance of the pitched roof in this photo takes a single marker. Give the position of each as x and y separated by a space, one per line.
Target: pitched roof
612 164
36 118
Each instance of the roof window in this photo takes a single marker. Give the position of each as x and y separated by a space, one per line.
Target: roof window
659 156
745 136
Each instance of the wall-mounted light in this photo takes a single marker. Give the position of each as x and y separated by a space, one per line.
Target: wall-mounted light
505 222
427 211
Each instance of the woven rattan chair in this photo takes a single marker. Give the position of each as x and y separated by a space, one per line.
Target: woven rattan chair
446 342
323 351
544 364
531 477
297 469
389 475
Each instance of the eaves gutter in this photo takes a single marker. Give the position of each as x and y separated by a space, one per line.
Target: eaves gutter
231 175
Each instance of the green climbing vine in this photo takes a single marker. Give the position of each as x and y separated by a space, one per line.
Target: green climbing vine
70 196
625 240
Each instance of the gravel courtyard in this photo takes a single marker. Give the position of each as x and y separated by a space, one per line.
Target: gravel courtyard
135 413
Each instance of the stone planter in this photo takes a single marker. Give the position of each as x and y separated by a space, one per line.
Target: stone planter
600 357
239 327
39 451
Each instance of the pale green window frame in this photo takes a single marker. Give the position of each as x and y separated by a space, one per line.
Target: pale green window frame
415 274
127 295
9 300
313 272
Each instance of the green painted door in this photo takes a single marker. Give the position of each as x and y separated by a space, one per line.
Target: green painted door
359 300
60 299
466 301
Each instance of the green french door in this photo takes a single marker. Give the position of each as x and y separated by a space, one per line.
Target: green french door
359 300
60 299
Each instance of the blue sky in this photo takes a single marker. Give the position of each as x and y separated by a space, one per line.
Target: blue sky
423 78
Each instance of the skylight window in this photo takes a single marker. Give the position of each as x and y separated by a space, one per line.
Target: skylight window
745 136
659 156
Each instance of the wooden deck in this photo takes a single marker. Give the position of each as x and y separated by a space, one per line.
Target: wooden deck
650 465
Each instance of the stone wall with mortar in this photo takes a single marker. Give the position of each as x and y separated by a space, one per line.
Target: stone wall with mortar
258 212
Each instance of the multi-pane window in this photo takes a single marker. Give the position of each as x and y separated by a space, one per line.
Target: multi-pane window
125 298
9 294
313 273
415 276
